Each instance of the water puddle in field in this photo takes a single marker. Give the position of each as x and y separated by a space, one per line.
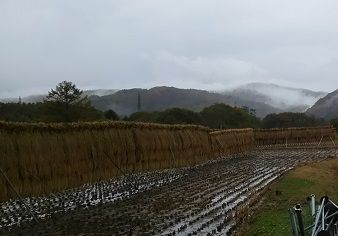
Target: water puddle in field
224 205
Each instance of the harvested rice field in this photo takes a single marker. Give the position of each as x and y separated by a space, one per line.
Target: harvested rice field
207 199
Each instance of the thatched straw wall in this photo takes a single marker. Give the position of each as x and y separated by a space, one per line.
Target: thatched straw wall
44 158
232 141
294 135
41 158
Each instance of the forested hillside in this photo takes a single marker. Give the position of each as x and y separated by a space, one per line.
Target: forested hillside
124 102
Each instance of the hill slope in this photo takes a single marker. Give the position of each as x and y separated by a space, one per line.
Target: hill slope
124 102
326 107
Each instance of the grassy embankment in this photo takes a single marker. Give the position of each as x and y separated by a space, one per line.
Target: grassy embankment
272 217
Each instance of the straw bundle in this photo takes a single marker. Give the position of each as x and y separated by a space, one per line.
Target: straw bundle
232 141
294 135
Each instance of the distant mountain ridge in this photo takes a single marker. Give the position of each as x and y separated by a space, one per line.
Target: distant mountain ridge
124 102
262 97
41 97
326 107
281 97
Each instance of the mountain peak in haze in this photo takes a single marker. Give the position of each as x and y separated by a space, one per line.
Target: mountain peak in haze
281 97
326 107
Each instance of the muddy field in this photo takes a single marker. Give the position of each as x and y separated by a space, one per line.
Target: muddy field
207 199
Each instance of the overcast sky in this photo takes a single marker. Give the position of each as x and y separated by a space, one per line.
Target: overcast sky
210 44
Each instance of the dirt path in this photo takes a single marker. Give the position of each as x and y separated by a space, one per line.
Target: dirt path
204 200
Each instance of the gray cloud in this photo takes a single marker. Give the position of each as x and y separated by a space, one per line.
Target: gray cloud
188 43
207 72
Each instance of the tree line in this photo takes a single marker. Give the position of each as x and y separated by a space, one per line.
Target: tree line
66 103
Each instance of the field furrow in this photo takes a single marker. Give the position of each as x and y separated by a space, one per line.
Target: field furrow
206 199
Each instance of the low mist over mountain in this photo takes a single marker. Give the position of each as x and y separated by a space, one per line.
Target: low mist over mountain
284 98
27 99
40 97
326 107
99 92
